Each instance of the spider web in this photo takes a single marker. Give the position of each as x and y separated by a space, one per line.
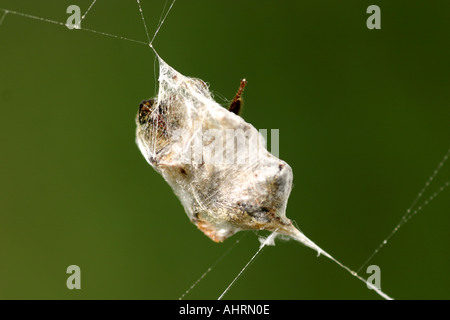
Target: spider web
417 205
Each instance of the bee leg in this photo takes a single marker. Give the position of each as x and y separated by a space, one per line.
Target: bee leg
237 102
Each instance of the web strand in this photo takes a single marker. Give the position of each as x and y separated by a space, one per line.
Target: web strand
268 240
355 274
430 179
299 236
113 36
211 267
162 13
32 17
3 16
25 15
404 220
143 20
409 212
87 11
162 22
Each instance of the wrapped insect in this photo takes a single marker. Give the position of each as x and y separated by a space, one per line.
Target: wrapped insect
216 163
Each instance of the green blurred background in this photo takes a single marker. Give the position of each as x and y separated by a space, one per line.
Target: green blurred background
363 116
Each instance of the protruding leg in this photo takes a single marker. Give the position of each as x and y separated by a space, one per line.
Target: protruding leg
237 102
